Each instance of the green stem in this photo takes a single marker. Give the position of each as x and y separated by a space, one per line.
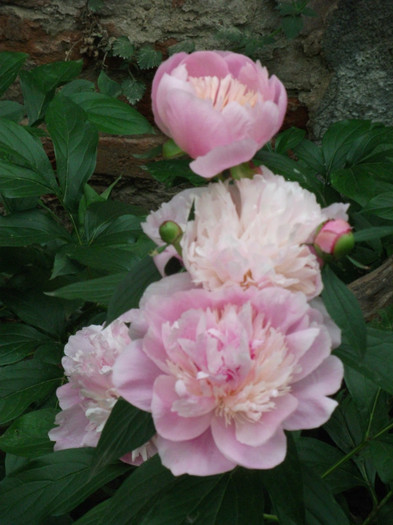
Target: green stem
271 517
372 414
375 511
357 449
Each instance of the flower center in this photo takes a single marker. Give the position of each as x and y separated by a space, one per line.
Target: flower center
222 91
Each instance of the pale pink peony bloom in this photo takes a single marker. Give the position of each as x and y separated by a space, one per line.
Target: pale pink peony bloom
177 210
219 107
256 232
89 396
224 373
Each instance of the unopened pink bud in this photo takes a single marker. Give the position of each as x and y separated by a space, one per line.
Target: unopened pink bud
334 238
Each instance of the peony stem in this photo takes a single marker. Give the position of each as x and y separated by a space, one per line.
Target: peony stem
357 449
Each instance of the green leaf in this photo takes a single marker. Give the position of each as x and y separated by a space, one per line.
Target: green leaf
95 5
94 516
291 25
377 362
132 428
28 227
101 218
16 182
19 147
28 435
17 341
37 309
131 288
99 290
107 86
133 90
285 487
137 493
77 86
187 46
11 110
39 84
344 310
172 171
319 457
355 183
52 485
381 205
321 507
75 141
10 64
108 258
288 139
22 384
123 48
370 234
147 57
111 115
311 154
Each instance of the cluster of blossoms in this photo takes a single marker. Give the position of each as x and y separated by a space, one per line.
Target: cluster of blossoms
236 348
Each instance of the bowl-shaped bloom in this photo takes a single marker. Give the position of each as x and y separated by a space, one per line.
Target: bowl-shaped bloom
219 107
89 396
224 373
256 232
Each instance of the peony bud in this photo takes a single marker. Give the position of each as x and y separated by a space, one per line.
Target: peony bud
170 232
334 238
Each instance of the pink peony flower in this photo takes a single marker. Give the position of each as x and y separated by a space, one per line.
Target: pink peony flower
219 107
224 373
334 238
176 210
256 232
89 396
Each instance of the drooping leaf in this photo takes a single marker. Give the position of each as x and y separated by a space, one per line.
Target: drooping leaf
130 289
284 484
111 115
137 493
11 110
345 311
17 341
20 148
132 428
10 64
22 384
99 290
52 485
29 227
107 86
75 141
37 309
39 84
320 456
28 435
321 507
376 363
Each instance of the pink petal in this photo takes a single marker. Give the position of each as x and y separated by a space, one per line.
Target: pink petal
168 423
197 457
268 455
206 64
314 407
194 124
256 434
133 376
223 157
72 431
165 67
68 396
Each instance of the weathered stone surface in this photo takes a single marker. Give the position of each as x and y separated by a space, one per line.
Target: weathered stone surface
358 46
